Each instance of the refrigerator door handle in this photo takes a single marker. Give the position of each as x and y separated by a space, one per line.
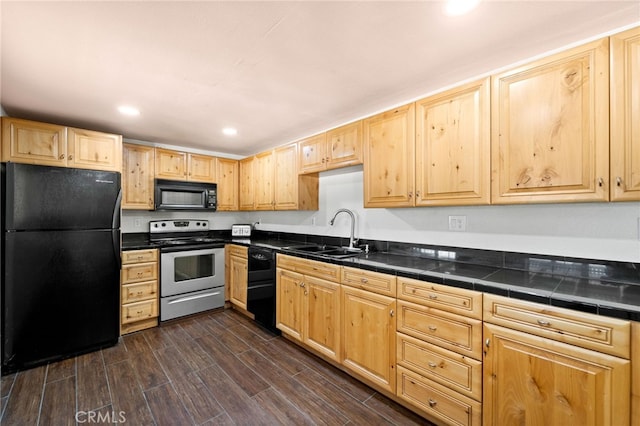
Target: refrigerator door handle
115 220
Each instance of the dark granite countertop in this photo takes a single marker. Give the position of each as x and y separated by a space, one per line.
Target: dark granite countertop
595 286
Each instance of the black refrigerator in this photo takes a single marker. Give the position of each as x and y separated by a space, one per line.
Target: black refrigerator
60 263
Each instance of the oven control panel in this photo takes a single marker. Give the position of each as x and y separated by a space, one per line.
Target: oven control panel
178 225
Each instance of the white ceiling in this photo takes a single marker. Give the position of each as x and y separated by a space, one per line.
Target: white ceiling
277 71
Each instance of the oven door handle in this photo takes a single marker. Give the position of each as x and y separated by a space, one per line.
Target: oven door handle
194 297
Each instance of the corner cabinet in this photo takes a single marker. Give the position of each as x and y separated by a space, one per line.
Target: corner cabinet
228 181
550 129
625 116
31 142
138 165
139 290
550 366
453 147
389 157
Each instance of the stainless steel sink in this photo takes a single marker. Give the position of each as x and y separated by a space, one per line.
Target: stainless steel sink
326 250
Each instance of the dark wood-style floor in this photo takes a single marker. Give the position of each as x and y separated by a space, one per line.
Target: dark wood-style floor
211 369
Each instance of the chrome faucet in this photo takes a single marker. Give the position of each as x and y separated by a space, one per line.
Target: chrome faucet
352 240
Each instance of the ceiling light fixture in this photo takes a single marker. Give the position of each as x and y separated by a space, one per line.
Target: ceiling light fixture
459 7
128 110
229 131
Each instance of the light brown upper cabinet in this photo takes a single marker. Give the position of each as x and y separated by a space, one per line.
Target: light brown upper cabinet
246 193
293 191
31 142
264 173
550 128
453 147
228 181
179 165
625 116
138 177
389 157
336 148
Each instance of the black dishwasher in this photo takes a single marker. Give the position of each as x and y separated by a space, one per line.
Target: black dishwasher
261 287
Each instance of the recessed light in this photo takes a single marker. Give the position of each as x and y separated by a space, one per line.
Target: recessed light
459 7
128 110
230 131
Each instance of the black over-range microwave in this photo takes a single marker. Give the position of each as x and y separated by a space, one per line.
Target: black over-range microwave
176 195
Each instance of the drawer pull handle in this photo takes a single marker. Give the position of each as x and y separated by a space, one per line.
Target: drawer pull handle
364 280
432 364
432 403
391 312
433 296
487 342
302 284
544 323
433 328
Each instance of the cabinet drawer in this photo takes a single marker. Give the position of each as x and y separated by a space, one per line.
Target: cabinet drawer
368 280
139 311
139 291
438 401
458 372
139 256
451 331
235 250
603 334
139 272
450 299
326 271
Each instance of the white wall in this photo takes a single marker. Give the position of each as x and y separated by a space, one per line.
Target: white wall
607 231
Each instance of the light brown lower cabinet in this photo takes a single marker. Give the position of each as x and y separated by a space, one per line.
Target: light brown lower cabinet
534 376
369 338
308 307
238 275
139 290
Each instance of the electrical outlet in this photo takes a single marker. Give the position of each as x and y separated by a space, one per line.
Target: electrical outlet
313 221
137 223
457 223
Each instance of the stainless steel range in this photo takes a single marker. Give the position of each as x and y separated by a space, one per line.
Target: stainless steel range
191 267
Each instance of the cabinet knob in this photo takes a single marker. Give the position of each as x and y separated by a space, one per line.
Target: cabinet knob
71 157
600 182
433 296
432 364
432 328
392 312
410 194
619 181
364 280
487 342
417 194
62 156
302 284
544 323
432 402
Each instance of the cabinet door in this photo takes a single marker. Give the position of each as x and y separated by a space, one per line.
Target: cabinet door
452 147
87 149
138 165
389 145
625 113
312 154
31 142
344 146
171 164
202 168
289 302
537 381
228 181
322 316
368 336
550 129
286 177
264 183
238 277
246 196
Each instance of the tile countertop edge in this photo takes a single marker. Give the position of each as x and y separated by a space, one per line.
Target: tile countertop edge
430 273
